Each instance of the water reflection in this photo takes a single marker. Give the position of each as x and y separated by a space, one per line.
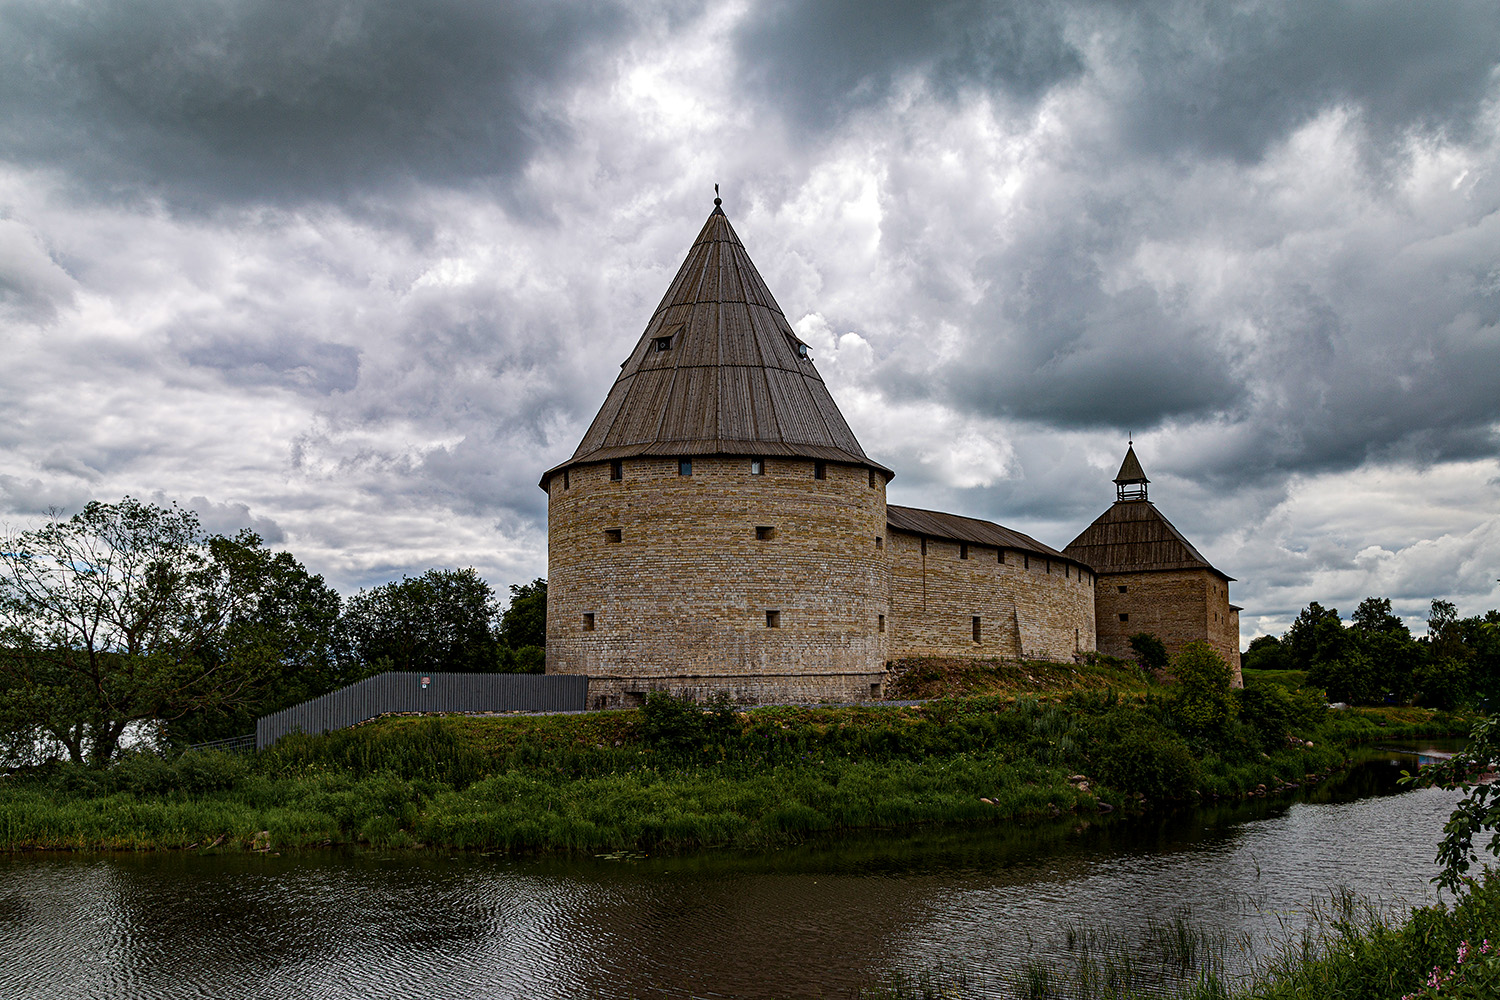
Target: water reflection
816 921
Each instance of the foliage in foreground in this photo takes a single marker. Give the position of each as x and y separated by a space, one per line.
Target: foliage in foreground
1478 811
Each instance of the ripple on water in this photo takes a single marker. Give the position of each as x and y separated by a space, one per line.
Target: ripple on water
808 922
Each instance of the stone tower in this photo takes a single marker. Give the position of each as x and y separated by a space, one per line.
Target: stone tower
718 527
1149 578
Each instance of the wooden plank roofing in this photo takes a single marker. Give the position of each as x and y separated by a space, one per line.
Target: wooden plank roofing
1130 469
955 527
731 379
1132 536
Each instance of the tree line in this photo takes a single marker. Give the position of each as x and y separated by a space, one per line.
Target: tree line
130 612
1374 659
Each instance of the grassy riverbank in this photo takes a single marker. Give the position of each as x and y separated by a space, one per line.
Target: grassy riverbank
1353 950
674 778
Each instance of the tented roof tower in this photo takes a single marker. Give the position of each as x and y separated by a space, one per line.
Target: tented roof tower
719 371
1132 536
1130 482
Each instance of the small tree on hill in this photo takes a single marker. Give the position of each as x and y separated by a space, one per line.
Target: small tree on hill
1203 699
1150 652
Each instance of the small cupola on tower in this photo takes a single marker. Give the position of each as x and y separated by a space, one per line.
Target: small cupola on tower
1130 483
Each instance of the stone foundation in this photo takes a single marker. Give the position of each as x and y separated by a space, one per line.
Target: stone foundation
802 688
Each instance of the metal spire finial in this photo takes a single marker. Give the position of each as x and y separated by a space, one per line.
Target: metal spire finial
717 200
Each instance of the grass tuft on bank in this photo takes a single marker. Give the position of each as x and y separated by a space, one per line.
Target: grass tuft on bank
1353 950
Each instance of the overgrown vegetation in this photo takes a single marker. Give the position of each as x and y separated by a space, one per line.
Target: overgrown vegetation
1375 660
674 777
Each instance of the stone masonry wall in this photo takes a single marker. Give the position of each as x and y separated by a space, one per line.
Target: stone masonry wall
1177 606
1027 605
684 595
625 691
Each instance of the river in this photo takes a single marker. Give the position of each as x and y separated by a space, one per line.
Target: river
819 920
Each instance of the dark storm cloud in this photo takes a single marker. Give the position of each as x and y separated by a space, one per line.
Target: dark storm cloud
816 60
270 101
1052 346
1231 79
1214 79
1339 316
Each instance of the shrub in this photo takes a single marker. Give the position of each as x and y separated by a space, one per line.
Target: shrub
671 725
1269 710
1148 760
1203 703
1149 650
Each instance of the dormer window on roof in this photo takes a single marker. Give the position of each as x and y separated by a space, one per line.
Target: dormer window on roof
663 343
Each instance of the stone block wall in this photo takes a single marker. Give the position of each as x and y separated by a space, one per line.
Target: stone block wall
807 687
1177 606
692 589
1026 605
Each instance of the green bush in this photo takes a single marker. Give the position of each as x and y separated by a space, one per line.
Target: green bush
672 726
1202 700
1148 760
1150 651
523 660
1269 710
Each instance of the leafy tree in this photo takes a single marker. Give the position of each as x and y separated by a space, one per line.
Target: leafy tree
441 620
1266 652
1393 659
127 612
1150 652
1317 635
524 623
1373 617
1203 699
1444 681
300 614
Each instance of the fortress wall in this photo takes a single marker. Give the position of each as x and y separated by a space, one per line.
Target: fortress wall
681 600
1027 605
625 690
1177 606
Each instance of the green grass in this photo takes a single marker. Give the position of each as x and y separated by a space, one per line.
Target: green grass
1289 679
671 778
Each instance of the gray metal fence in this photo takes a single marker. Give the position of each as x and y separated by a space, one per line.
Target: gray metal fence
398 691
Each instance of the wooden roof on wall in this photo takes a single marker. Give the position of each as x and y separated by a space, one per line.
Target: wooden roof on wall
955 527
733 382
1132 536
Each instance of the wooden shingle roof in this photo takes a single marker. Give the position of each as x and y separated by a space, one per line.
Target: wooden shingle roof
1130 469
1132 536
718 371
955 527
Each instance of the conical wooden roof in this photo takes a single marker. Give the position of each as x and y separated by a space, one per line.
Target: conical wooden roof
733 379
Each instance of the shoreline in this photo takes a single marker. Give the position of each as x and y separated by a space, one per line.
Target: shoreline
610 782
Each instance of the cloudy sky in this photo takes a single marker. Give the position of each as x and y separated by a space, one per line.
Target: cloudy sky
354 272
